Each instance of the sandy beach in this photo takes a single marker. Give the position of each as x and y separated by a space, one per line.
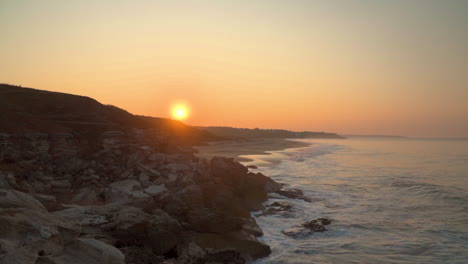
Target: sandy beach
240 148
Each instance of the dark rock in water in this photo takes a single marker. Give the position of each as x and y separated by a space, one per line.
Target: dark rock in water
284 206
279 207
293 194
317 225
250 226
252 167
308 228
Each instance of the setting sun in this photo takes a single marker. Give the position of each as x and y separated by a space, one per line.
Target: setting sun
180 112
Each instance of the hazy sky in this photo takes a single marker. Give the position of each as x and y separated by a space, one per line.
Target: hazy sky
362 67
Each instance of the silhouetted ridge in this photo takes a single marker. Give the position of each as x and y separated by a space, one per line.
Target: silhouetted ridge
241 133
32 110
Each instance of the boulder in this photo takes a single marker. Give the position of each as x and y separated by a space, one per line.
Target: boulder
178 167
8 180
131 226
16 199
49 201
89 251
86 196
61 184
245 244
155 190
211 221
30 235
317 225
127 191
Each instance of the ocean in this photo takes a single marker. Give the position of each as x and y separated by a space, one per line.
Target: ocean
391 200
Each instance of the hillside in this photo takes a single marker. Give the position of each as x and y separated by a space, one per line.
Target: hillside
31 110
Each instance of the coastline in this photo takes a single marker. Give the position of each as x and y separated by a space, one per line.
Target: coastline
239 149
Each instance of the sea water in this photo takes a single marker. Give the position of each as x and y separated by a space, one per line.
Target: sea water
390 201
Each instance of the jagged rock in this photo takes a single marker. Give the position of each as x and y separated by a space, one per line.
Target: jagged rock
29 235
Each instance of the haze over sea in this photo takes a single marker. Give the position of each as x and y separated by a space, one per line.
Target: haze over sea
391 201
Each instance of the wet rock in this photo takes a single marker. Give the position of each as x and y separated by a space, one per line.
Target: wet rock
308 228
293 194
279 207
251 227
317 225
252 167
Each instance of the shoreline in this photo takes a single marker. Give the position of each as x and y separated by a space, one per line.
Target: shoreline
238 149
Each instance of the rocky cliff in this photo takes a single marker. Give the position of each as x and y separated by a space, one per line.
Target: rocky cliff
81 182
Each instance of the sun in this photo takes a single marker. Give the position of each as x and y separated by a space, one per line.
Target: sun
180 112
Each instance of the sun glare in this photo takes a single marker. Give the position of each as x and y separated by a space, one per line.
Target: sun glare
180 112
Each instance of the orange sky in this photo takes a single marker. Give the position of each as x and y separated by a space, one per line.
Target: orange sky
352 67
